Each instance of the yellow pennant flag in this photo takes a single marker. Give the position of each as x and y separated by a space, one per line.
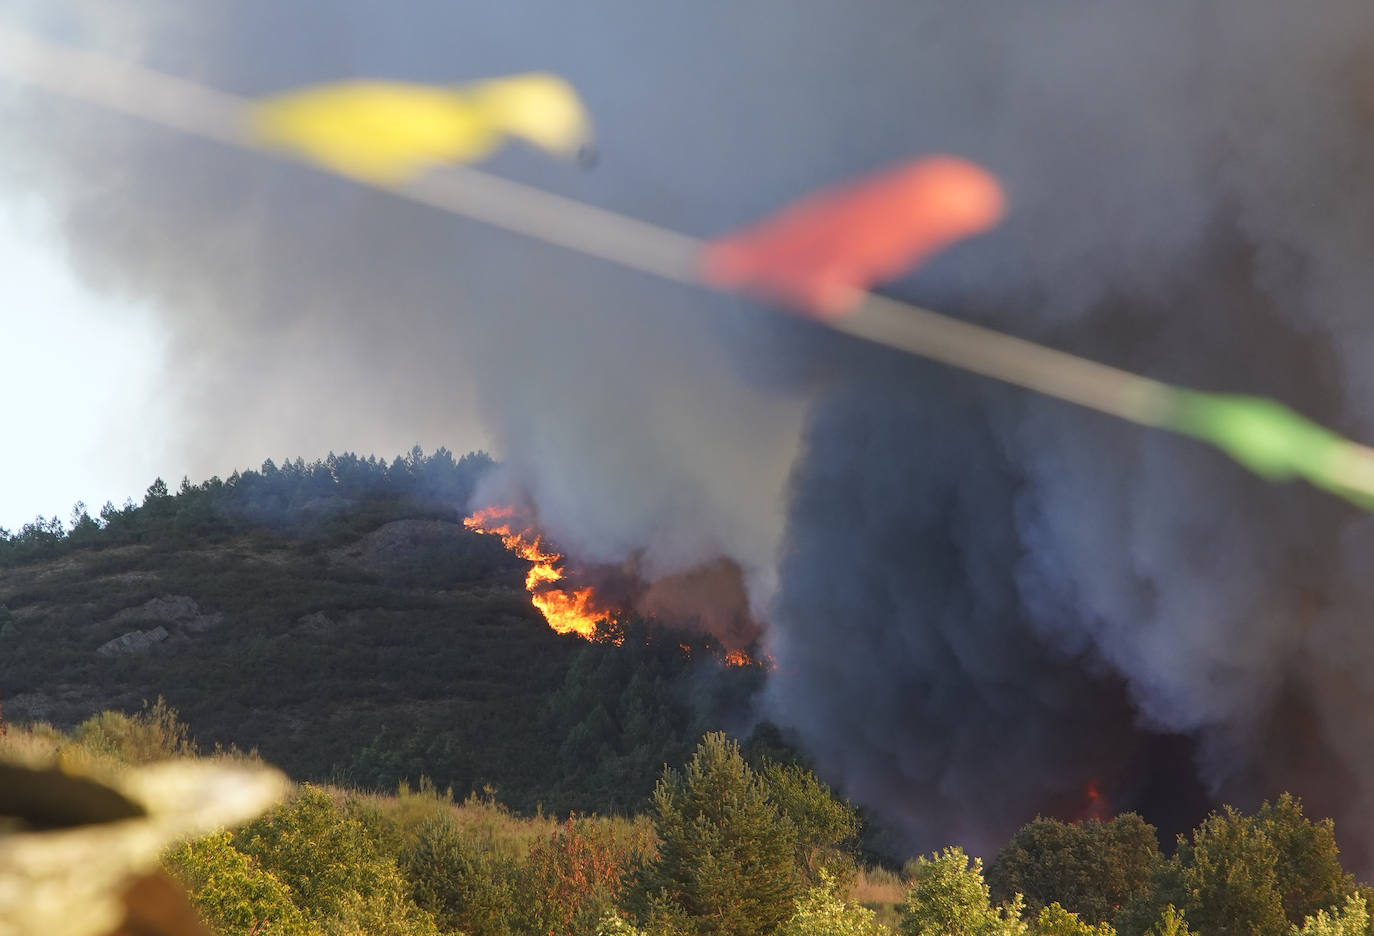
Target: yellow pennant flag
387 132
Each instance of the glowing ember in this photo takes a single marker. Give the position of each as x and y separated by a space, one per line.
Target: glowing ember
567 611
740 658
1096 805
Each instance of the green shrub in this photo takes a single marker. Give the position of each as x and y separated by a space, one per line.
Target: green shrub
1054 920
823 911
949 898
153 734
336 872
1352 919
465 887
232 892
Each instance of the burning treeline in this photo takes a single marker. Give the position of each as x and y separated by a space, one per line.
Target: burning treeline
568 610
582 601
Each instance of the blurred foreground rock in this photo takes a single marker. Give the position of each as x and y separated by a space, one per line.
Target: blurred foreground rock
79 854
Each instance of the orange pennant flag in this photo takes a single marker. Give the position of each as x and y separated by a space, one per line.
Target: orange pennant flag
823 252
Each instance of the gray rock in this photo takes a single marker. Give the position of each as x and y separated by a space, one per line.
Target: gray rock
317 624
393 544
133 642
179 611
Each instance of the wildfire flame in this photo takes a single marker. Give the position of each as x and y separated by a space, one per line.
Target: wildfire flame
1096 805
568 611
740 658
731 657
574 610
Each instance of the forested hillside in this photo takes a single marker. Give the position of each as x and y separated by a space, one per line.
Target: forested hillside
338 618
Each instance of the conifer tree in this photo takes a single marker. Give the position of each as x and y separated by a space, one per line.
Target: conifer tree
725 865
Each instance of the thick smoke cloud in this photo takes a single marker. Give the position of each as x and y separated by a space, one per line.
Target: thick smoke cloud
1191 203
983 601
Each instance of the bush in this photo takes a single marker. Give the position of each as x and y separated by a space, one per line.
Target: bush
232 892
1171 923
1054 920
823 911
1351 920
335 871
570 880
153 734
949 898
465 887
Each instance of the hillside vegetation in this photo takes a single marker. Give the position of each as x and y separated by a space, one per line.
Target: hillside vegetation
725 847
339 619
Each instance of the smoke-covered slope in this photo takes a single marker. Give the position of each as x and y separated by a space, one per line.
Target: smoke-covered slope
342 621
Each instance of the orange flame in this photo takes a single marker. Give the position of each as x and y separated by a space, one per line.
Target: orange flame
736 658
732 658
1096 805
823 251
567 611
572 610
740 658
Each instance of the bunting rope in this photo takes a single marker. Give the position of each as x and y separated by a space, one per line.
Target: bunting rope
1265 436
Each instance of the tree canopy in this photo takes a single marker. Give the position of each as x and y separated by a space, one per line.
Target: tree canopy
726 861
1090 868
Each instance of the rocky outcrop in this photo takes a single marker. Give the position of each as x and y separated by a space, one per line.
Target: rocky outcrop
179 612
134 642
393 546
173 616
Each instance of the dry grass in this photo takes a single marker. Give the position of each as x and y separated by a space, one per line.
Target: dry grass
882 891
490 824
878 886
32 745
110 741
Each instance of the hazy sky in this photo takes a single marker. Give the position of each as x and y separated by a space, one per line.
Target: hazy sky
82 417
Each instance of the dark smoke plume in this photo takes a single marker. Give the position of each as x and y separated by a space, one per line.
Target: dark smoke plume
971 577
979 602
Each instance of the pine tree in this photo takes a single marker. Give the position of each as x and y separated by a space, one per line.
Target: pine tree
725 866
